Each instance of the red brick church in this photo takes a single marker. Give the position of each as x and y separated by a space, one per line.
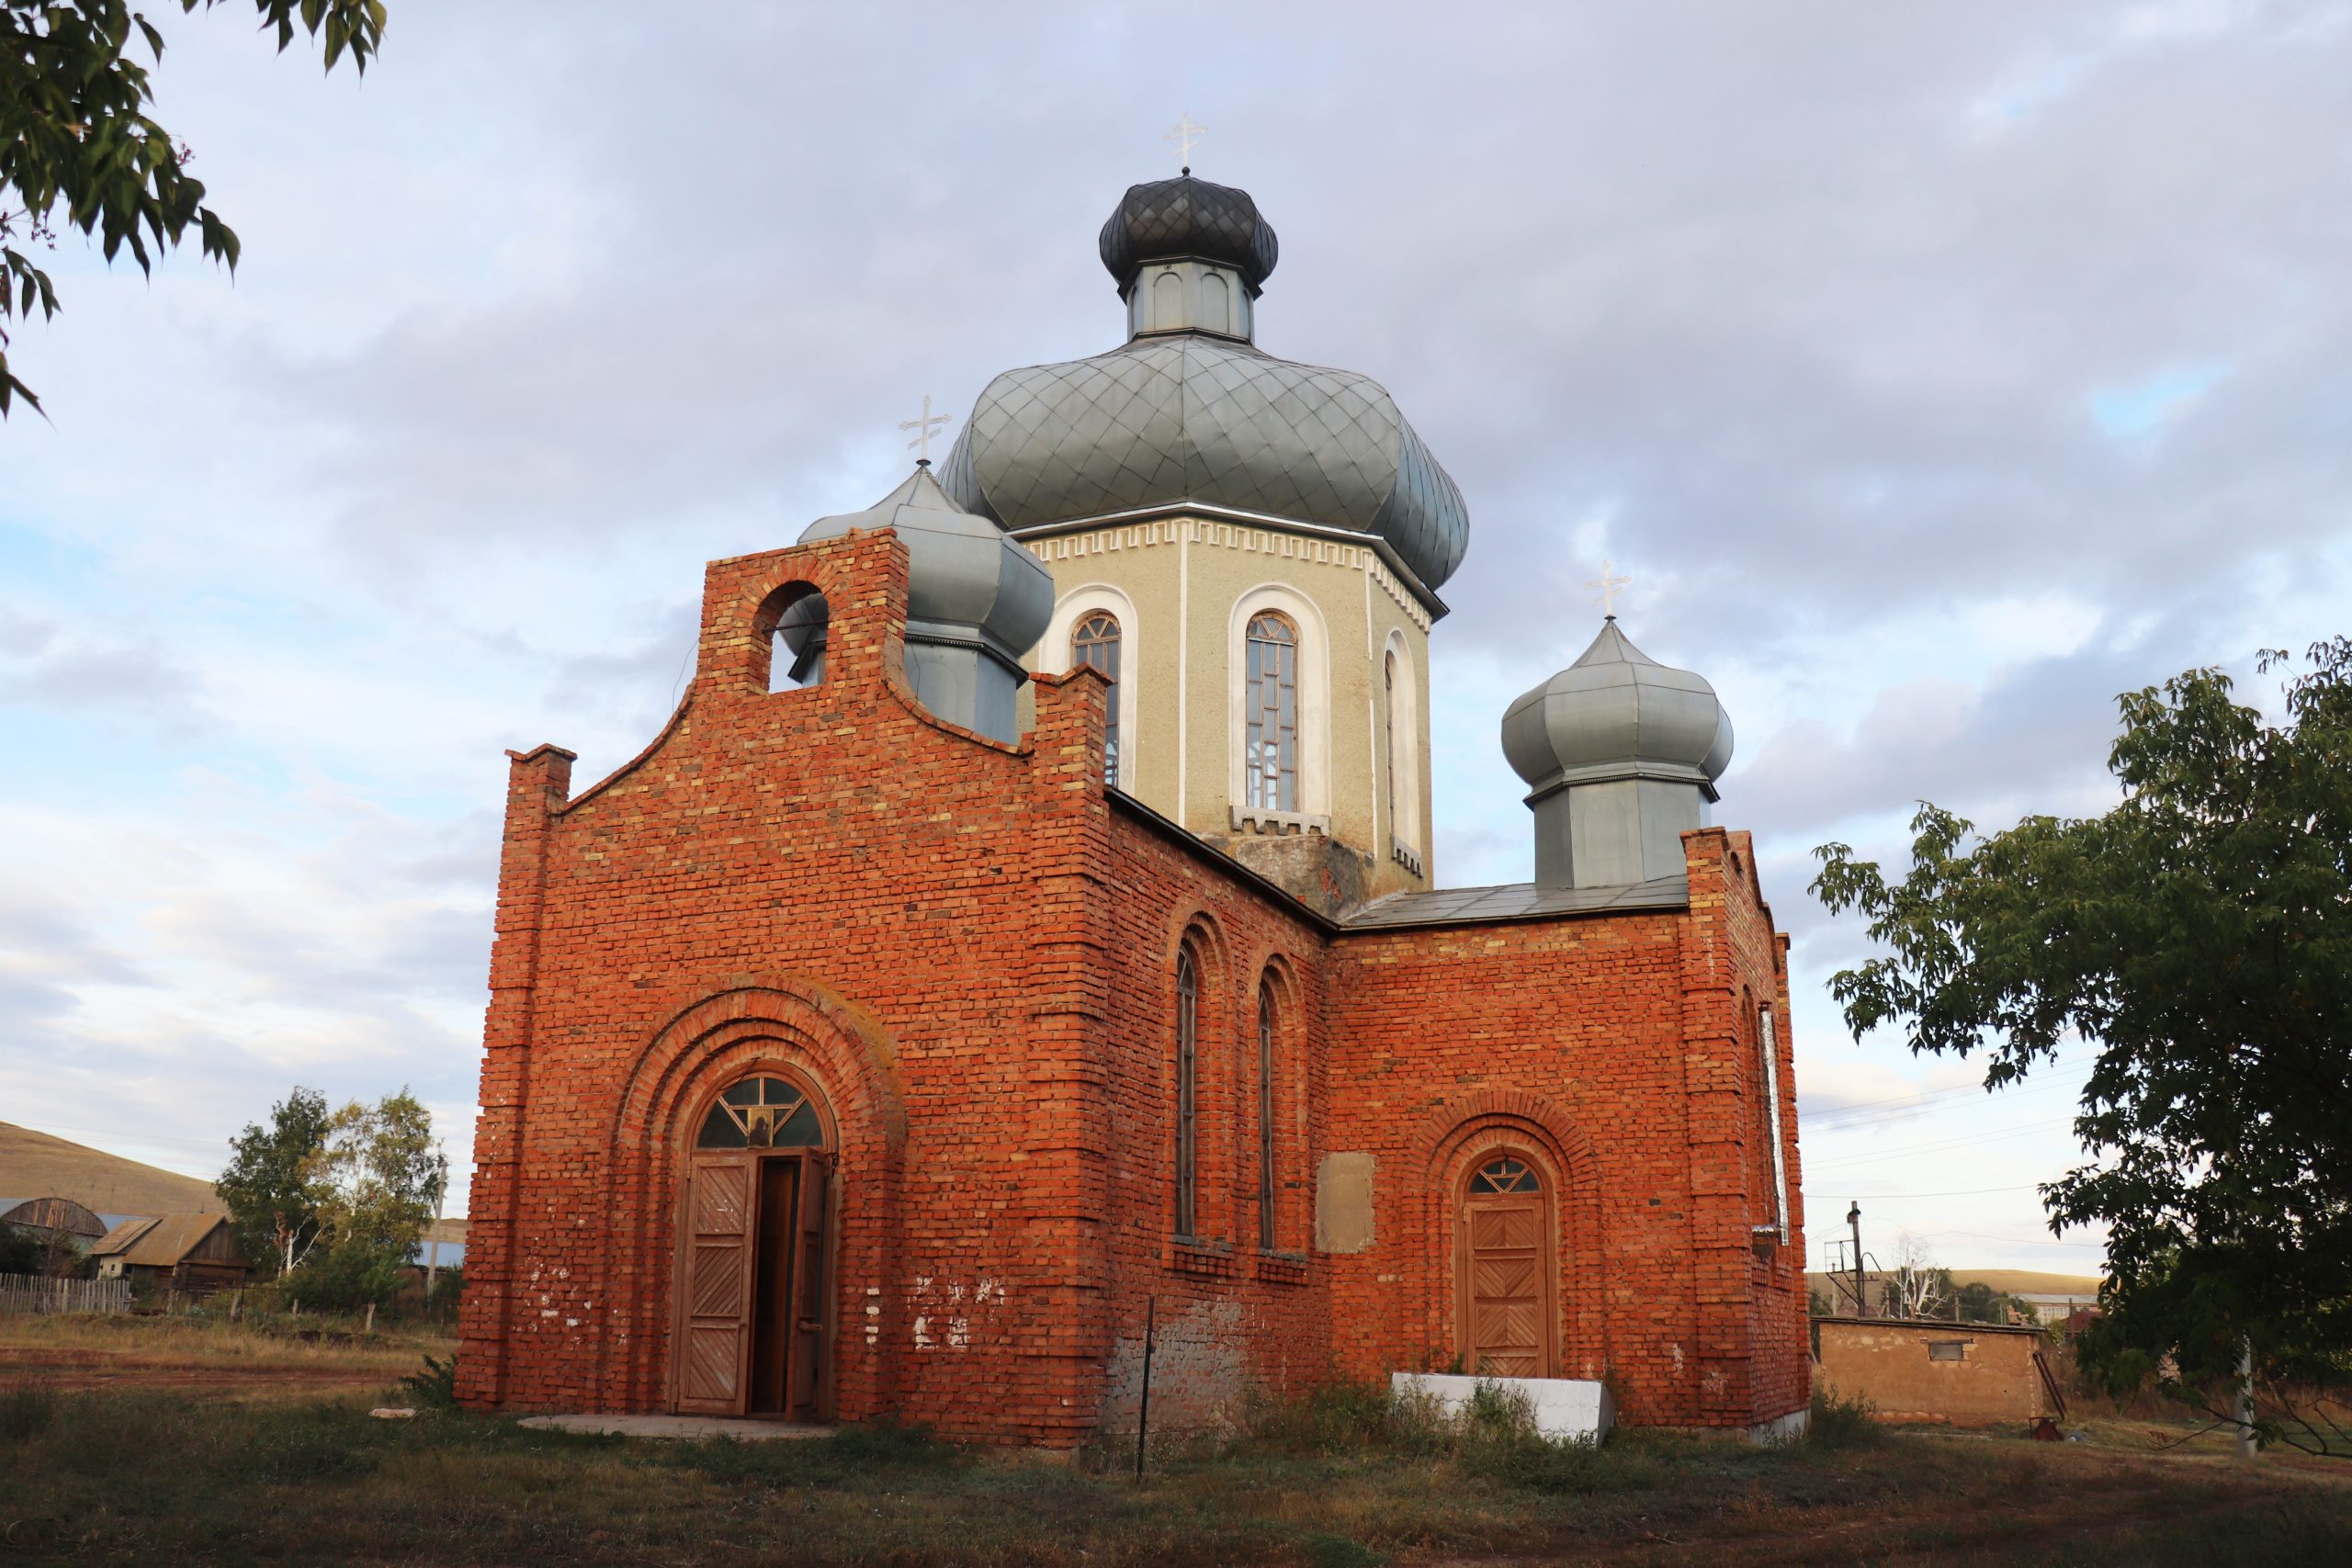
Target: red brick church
1027 922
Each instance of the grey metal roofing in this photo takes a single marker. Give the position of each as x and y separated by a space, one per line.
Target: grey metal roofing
1613 710
1183 417
1514 901
1185 217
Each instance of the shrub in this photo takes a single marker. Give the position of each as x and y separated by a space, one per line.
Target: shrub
433 1386
1843 1423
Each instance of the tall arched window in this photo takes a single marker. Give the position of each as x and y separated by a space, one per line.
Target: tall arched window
1188 1002
1266 1115
1270 740
1388 723
1095 641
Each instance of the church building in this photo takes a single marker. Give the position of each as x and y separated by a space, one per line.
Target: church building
1027 929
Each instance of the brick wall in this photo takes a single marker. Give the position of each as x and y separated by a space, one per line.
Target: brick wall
971 947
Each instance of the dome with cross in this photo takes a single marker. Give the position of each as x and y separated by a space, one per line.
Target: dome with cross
1190 416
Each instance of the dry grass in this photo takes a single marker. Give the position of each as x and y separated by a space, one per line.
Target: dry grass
200 1350
126 1471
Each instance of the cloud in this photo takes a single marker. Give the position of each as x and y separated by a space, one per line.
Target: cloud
1936 373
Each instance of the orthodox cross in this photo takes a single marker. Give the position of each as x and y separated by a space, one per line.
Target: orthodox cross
1185 135
1610 588
921 444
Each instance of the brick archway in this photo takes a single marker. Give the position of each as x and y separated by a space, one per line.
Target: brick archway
1456 1137
714 1036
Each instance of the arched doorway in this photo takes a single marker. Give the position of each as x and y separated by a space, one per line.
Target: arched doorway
754 1319
1505 1270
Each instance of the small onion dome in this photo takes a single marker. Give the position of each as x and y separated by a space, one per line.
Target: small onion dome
967 579
1185 217
1616 713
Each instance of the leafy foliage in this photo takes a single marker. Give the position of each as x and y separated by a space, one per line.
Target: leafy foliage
75 130
339 1201
273 1188
2198 936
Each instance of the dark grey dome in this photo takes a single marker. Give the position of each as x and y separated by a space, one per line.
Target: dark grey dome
1186 417
1185 217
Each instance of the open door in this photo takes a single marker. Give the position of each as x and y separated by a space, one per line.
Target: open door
716 1289
812 1292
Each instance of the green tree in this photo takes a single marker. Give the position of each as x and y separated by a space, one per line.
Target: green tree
378 1170
273 1187
2199 937
75 130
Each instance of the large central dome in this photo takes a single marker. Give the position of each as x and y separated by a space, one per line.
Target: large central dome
1190 414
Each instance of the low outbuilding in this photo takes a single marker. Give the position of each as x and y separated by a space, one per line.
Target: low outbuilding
192 1254
1968 1374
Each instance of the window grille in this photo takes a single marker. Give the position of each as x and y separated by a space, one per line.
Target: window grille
1096 642
1188 997
1947 1349
760 1113
1505 1175
1270 742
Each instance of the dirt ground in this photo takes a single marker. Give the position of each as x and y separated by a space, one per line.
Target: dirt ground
188 1444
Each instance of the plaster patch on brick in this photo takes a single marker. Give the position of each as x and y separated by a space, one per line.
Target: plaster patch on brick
1344 1212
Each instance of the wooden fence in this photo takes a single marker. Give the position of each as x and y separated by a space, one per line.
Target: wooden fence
31 1293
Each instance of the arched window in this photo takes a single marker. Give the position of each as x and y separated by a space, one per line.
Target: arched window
796 658
1188 1001
1095 641
1270 740
762 1113
1769 1045
1388 722
1266 1115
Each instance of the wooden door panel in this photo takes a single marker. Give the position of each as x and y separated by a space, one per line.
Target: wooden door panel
714 1329
812 1288
1506 1287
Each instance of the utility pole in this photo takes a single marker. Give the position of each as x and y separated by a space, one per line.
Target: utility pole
1854 1218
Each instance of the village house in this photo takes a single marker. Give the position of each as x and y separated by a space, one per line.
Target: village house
1027 929
194 1255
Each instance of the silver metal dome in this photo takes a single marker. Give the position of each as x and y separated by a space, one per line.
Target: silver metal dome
976 602
1616 708
1189 418
1621 754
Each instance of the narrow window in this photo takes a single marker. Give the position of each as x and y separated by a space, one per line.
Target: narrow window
1269 746
1389 712
1769 1044
1188 997
1096 642
1266 1116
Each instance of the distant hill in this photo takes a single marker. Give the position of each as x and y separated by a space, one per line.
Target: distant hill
34 1165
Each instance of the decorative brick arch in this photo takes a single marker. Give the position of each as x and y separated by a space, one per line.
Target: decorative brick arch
1459 1133
714 1036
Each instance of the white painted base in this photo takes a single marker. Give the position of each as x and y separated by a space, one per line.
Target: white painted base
1786 1429
1565 1408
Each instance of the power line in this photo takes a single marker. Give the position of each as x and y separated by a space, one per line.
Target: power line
1945 1145
1896 1197
1837 1122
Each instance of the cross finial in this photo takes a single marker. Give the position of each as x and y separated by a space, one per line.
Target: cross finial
1185 135
921 427
1610 588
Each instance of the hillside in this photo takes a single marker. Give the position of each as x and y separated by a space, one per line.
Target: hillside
34 1165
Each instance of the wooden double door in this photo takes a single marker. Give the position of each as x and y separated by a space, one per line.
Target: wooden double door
755 1302
1505 1270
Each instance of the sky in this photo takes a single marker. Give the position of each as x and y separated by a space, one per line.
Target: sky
1936 372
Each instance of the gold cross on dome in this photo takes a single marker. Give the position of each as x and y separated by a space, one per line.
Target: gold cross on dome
1610 588
1185 135
921 444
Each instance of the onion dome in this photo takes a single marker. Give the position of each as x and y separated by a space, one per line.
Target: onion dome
1187 217
976 602
1189 415
1621 754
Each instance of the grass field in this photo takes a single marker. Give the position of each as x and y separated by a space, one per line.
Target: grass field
211 1474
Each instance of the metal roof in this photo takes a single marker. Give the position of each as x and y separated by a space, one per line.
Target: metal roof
1186 216
1186 417
1515 901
